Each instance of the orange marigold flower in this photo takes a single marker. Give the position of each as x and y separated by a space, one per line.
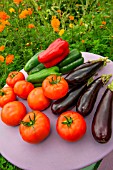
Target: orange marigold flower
56 29
55 23
30 11
71 17
4 22
2 48
9 59
31 26
3 15
2 27
23 14
83 41
1 58
103 22
17 1
59 11
39 7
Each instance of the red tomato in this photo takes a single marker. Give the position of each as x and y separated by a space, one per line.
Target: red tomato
37 100
23 88
6 95
13 77
13 112
71 126
35 127
55 87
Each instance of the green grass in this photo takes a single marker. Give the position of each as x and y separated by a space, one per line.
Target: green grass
92 32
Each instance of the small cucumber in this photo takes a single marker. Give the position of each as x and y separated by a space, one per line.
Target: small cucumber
32 62
37 68
72 56
71 66
41 75
37 85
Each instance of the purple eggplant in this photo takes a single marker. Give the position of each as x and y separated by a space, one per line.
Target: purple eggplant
67 101
102 120
86 101
82 73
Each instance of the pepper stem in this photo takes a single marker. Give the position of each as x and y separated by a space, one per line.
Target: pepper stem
30 123
105 78
68 121
110 86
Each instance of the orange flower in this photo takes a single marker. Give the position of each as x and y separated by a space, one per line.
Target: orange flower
30 11
59 11
56 29
39 8
4 22
23 14
1 58
83 41
2 48
71 17
3 15
2 27
9 59
17 1
31 26
103 22
55 23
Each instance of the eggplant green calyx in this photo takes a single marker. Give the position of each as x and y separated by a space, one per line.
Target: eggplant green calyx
68 121
30 123
110 86
105 59
105 78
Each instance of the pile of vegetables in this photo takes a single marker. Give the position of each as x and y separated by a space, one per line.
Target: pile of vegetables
58 78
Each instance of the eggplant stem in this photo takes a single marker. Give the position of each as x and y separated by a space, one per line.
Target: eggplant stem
110 86
105 59
105 78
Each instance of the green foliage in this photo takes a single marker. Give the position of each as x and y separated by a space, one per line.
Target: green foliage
90 31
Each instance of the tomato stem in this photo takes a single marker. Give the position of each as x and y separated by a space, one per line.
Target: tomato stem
68 121
30 123
55 81
1 93
13 75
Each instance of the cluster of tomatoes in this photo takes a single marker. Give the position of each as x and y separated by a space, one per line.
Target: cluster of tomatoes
35 125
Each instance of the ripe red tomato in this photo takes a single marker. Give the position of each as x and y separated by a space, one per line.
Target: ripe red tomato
35 127
13 112
55 87
23 88
13 77
6 95
71 126
37 100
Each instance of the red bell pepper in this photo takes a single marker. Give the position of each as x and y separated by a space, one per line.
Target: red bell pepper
56 60
56 50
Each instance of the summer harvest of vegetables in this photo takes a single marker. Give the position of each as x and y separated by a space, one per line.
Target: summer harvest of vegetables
60 79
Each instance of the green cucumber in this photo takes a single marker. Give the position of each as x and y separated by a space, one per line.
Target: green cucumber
32 62
72 56
37 68
71 66
41 75
37 85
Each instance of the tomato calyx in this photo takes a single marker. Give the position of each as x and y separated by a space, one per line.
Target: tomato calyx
2 93
55 81
13 75
68 121
30 123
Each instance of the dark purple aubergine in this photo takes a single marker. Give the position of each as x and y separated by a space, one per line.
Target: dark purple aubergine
82 73
65 103
102 120
86 101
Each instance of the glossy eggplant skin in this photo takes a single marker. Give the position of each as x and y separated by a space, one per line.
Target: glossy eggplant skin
83 73
87 100
70 100
102 120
